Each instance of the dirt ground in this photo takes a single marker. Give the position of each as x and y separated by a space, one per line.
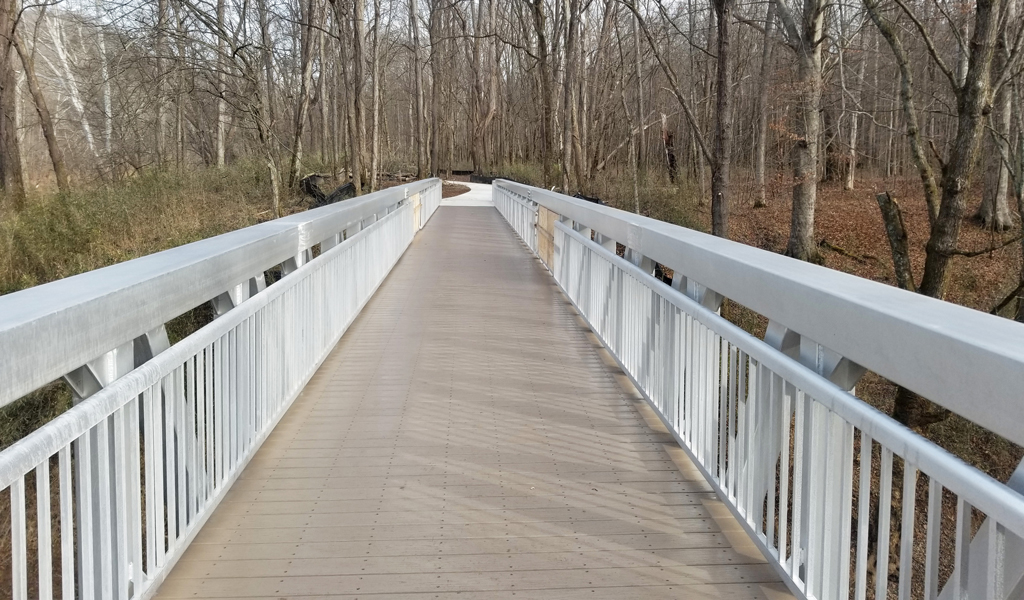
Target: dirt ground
449 189
850 222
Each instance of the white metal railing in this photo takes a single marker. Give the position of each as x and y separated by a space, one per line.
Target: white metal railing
109 494
826 486
519 213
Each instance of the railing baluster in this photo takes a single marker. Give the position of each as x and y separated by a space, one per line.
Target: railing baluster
67 527
121 490
777 441
933 539
44 527
84 464
884 512
787 411
135 488
19 542
907 530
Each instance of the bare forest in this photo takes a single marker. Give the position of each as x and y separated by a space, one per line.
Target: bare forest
880 137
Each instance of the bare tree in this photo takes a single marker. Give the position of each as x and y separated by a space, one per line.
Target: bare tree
761 110
974 88
43 110
309 16
804 30
417 72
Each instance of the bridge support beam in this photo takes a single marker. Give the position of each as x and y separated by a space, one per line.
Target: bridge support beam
972 577
92 516
825 457
701 294
605 242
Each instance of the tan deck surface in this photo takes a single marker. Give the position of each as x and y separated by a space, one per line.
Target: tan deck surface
468 437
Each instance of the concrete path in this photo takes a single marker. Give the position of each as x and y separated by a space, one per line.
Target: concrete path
479 194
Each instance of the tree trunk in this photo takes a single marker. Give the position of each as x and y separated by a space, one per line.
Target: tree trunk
972 104
222 104
351 127
569 96
805 152
994 212
641 154
723 123
266 43
161 66
761 141
972 87
896 231
305 84
632 160
1018 185
108 109
11 175
417 68
359 82
924 168
45 120
435 87
670 150
546 92
375 102
851 169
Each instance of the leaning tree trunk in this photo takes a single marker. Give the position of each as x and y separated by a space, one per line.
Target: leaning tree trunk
973 98
45 120
972 104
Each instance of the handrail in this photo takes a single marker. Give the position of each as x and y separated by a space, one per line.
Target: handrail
824 484
133 472
49 330
965 360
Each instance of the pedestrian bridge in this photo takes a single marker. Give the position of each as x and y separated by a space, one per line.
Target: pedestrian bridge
511 393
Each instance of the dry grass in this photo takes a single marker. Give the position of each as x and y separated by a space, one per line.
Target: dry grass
59 236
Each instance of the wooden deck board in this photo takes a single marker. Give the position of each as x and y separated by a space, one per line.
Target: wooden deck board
467 436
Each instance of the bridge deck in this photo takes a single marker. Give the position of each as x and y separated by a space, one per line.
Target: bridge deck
468 435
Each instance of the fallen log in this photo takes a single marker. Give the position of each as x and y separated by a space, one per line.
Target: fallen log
310 185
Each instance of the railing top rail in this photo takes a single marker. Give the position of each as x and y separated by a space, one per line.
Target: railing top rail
49 330
965 360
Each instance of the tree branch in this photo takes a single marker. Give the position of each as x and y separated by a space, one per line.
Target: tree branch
941 64
973 253
670 74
